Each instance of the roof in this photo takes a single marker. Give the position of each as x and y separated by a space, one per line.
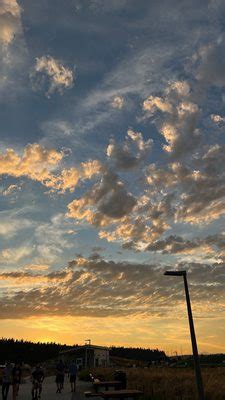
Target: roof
85 346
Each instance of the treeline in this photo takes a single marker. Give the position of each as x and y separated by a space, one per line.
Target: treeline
138 353
28 352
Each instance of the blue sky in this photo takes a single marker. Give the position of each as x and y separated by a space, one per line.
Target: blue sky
112 159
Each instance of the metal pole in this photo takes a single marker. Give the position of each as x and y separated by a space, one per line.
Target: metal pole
194 343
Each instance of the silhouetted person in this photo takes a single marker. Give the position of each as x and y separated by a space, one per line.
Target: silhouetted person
16 379
37 380
73 376
60 370
6 380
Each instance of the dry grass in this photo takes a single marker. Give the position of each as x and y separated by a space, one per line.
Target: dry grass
171 383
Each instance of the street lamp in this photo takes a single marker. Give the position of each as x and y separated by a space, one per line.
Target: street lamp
192 332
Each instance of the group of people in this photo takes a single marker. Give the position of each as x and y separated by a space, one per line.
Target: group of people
12 376
60 374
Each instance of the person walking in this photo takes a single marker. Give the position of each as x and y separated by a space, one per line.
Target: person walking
6 380
73 376
37 380
60 371
16 379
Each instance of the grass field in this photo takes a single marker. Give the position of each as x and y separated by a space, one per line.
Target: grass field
171 383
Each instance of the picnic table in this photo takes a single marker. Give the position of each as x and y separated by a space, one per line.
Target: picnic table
105 384
120 394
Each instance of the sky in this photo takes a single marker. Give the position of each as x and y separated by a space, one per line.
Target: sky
112 156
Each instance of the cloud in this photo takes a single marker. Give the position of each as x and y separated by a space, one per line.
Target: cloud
13 52
137 137
152 103
133 221
118 102
181 115
211 61
208 247
39 164
217 118
105 288
51 73
69 178
57 128
148 221
51 238
13 255
204 200
123 156
35 163
11 189
198 191
188 190
11 225
10 24
105 202
36 267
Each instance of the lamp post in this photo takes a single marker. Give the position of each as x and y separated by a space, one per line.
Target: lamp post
192 332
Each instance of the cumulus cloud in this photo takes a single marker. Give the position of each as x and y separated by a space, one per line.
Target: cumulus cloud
69 178
137 231
123 155
35 163
10 24
118 102
198 190
40 164
180 118
107 201
152 103
51 74
105 288
134 222
184 190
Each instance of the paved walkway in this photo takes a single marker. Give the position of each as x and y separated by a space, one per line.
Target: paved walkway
49 390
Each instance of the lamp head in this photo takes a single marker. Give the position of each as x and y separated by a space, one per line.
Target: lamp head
175 273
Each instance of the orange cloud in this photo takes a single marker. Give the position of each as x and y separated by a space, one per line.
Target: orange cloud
36 162
39 164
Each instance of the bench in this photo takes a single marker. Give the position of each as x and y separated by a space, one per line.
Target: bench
120 394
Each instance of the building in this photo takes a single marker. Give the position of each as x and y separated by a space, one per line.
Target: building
86 356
